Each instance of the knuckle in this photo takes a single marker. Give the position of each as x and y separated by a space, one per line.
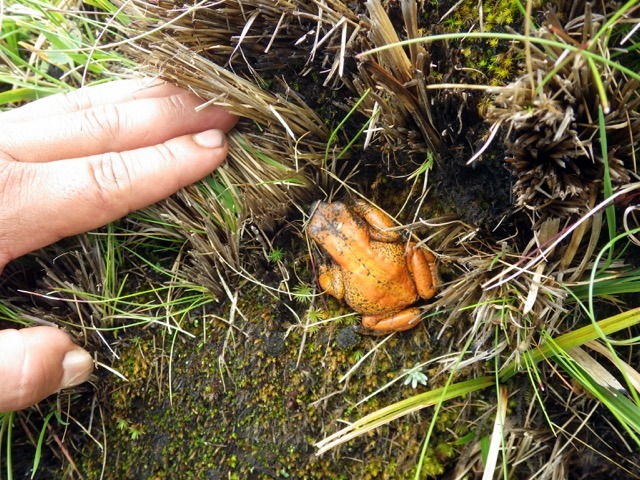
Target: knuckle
177 105
74 101
15 183
102 122
110 183
166 153
12 176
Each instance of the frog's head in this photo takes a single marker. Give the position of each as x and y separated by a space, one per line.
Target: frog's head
336 228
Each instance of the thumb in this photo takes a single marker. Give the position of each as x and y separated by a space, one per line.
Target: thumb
36 362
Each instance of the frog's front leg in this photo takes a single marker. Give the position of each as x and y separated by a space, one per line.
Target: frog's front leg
422 267
398 322
378 221
331 280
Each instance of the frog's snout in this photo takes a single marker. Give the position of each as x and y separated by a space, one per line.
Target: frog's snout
326 217
314 206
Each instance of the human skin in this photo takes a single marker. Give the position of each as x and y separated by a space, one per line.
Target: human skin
72 162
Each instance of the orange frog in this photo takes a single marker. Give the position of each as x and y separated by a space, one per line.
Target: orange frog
376 272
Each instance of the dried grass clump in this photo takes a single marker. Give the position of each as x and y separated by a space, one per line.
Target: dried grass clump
494 286
245 55
398 102
241 55
551 113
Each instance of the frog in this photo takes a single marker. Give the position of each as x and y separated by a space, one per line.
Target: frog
371 267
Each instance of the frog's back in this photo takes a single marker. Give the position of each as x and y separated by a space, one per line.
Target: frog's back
382 284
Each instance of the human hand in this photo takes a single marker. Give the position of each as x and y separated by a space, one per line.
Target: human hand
70 163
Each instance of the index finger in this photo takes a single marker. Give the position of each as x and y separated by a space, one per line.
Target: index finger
85 98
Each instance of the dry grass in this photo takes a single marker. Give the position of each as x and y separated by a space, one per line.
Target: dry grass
551 115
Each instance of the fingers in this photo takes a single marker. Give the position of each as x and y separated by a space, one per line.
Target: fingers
111 127
130 145
41 203
36 362
85 98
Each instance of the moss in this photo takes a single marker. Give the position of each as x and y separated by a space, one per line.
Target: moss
484 61
239 410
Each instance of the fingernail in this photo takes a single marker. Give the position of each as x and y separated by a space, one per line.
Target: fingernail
77 366
210 138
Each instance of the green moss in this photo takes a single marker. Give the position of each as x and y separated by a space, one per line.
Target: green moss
487 61
240 410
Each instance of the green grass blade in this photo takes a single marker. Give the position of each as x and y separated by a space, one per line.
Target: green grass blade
610 211
576 338
626 411
334 133
38 455
404 407
7 428
592 279
19 95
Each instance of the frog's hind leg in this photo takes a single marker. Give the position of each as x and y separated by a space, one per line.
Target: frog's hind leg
381 324
422 266
379 221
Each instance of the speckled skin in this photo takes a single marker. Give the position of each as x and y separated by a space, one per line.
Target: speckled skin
374 271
